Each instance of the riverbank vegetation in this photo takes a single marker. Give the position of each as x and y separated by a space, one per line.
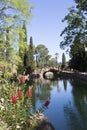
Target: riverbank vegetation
75 38
16 57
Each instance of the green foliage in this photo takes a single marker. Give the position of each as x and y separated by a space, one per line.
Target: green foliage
63 60
30 57
23 47
76 47
78 56
52 62
43 56
11 26
8 51
23 7
77 23
81 4
20 10
75 38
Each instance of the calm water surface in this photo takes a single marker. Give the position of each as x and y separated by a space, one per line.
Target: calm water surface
68 107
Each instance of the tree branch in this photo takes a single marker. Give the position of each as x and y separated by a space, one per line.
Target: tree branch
6 7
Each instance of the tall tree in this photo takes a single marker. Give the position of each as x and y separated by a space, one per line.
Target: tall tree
75 37
30 60
63 60
11 23
56 56
78 56
23 47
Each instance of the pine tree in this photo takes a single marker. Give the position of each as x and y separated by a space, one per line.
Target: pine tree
63 60
23 48
23 44
26 46
30 60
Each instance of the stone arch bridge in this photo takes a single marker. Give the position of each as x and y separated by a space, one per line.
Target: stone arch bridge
43 73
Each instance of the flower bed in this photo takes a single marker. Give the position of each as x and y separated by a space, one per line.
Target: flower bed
16 106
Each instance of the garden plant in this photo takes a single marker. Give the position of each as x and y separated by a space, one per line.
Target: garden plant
16 106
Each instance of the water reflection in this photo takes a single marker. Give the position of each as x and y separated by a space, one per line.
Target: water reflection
80 98
43 89
68 107
65 84
41 92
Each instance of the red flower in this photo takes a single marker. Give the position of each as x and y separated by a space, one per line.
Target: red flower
22 79
30 92
47 103
20 94
14 99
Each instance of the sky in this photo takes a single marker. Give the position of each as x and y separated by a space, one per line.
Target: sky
46 24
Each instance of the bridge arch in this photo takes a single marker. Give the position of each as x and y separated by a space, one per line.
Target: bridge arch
53 71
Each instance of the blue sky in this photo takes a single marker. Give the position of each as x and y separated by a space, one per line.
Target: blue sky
46 25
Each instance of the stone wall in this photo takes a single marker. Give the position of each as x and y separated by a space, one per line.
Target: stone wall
78 75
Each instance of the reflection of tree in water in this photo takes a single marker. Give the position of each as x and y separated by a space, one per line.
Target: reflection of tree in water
77 114
56 84
65 84
43 89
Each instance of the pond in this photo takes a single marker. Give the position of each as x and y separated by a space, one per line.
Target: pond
68 102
